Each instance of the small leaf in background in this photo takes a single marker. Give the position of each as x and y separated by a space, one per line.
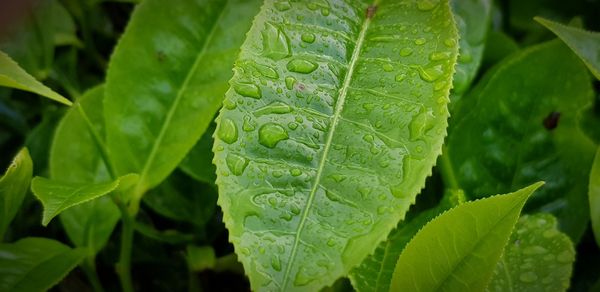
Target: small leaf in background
375 272
519 125
200 258
586 44
35 264
498 46
13 188
166 80
334 119
57 196
537 257
458 250
594 196
11 75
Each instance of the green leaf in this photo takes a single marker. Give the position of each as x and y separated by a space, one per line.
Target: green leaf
11 75
519 126
35 264
594 196
589 121
13 188
198 162
166 80
537 257
472 19
57 196
76 156
200 258
375 272
458 250
586 44
334 119
498 46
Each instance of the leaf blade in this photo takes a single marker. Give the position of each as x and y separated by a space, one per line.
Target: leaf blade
594 196
13 188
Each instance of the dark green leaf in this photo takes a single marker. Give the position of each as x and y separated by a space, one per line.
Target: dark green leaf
200 258
458 250
13 188
594 196
334 119
198 162
35 264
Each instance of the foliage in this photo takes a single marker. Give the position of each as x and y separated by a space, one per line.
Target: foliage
300 145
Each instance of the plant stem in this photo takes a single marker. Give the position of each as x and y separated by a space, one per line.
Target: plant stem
124 264
89 268
447 171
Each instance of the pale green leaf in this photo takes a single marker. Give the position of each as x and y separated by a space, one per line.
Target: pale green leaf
594 196
76 157
13 188
166 80
586 44
519 126
375 272
57 196
35 264
537 257
334 119
11 75
458 250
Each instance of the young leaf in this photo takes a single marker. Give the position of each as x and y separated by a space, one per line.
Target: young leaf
458 250
375 272
57 196
537 257
519 126
166 80
586 44
76 156
35 264
594 196
11 75
13 188
334 119
472 19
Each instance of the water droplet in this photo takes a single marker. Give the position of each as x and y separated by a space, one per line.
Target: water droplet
325 11
303 277
266 71
439 85
420 41
438 56
431 73
276 263
420 124
301 66
331 242
338 177
274 108
388 67
308 37
398 191
404 52
248 124
400 77
275 42
236 163
245 251
368 138
227 131
426 5
528 277
270 134
229 104
247 90
295 172
450 42
282 5
289 82
534 250
382 210
277 173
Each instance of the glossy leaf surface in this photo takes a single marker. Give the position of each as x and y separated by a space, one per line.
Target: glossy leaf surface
57 196
334 119
586 44
537 257
11 75
198 162
375 272
13 188
594 196
462 246
519 126
76 157
166 80
35 264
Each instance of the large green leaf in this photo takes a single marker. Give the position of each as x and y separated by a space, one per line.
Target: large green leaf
11 75
472 19
13 188
198 162
458 250
594 196
375 272
35 264
519 126
537 257
586 44
166 80
57 196
76 157
336 114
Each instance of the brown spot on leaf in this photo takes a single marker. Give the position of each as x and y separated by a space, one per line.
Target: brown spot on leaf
371 11
551 121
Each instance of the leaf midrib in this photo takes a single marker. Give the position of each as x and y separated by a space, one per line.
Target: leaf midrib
142 185
336 116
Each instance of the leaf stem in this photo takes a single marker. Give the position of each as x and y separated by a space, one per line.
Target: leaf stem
447 171
89 268
124 264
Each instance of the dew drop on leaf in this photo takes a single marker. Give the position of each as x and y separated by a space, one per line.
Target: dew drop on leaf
247 90
270 134
227 131
236 163
301 66
308 37
275 43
